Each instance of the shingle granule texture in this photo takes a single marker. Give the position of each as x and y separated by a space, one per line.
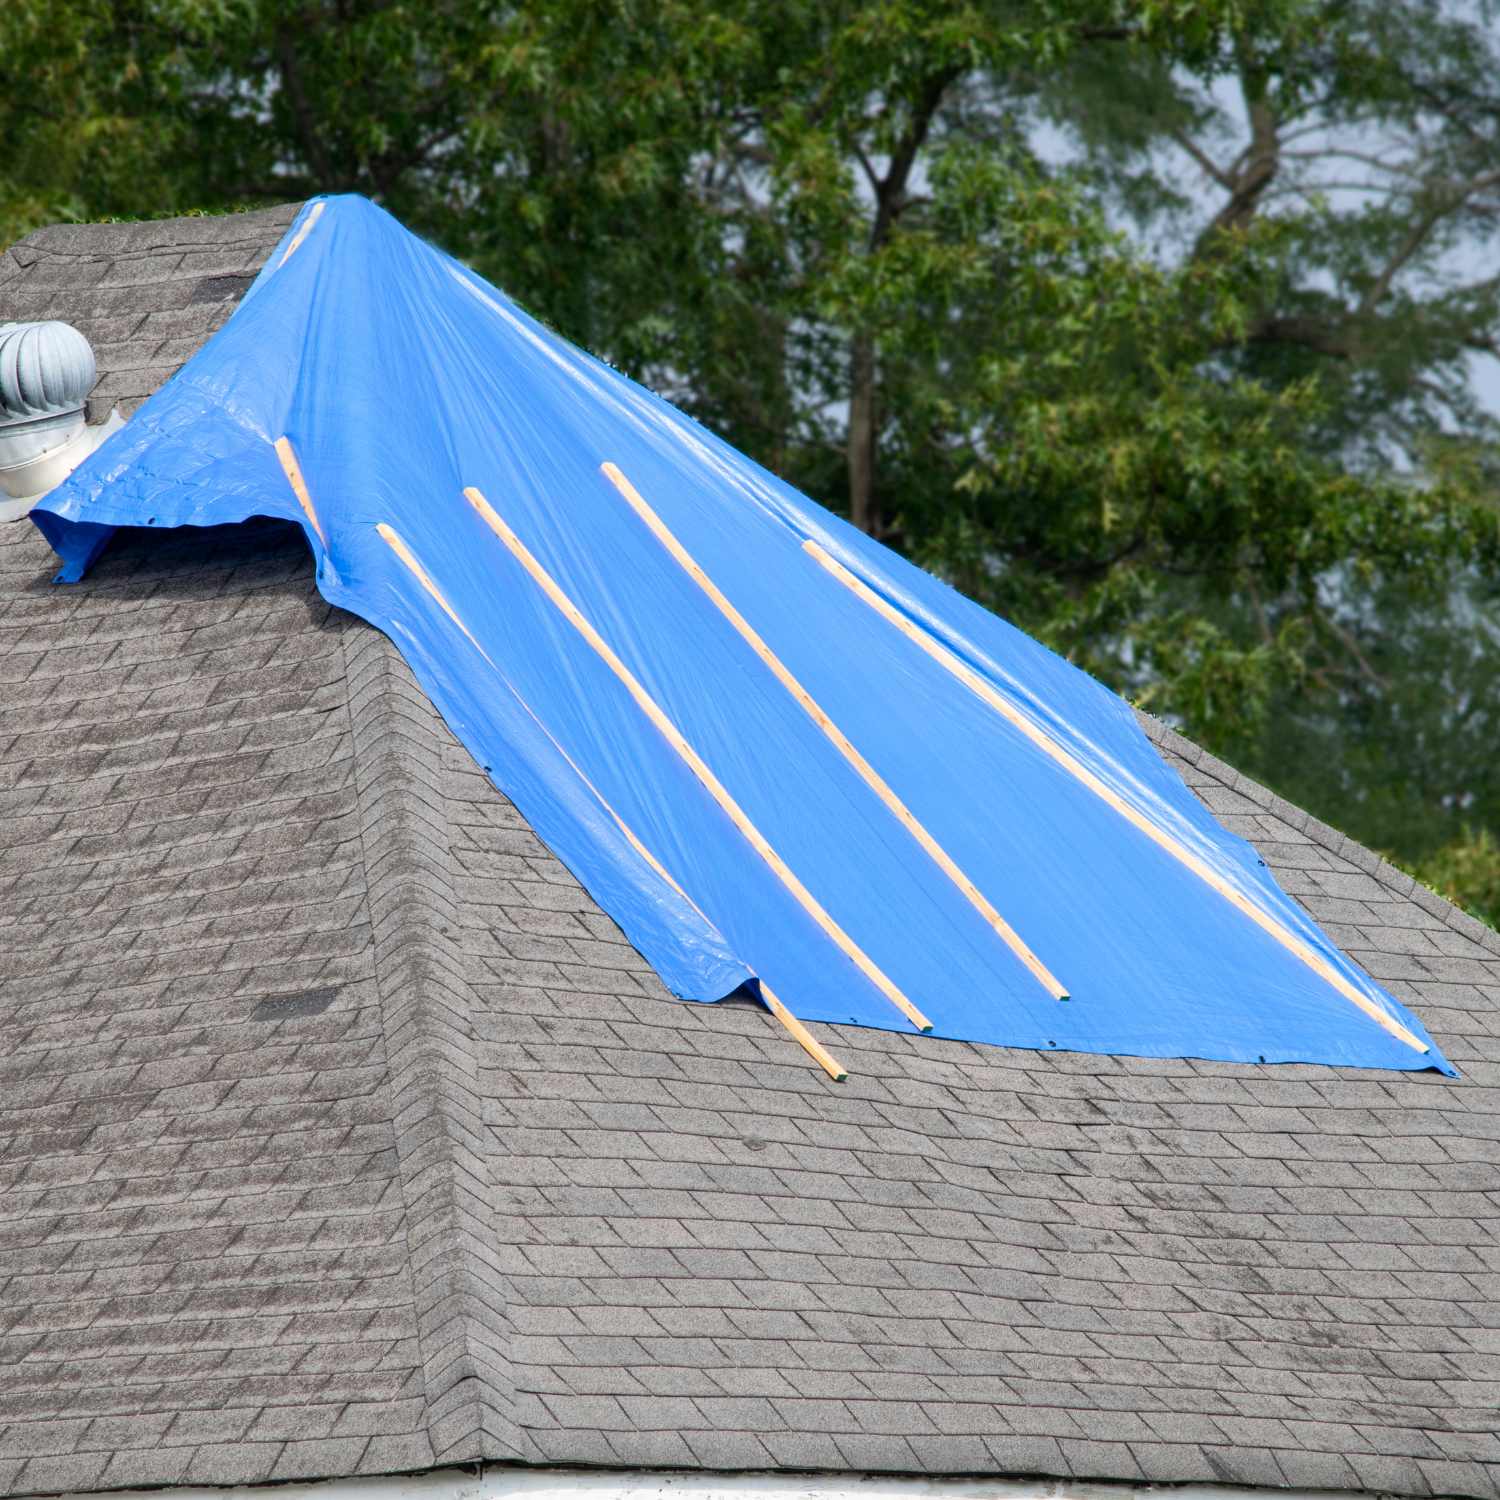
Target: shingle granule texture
341 1133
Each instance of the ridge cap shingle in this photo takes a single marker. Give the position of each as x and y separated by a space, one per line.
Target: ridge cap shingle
160 236
428 1007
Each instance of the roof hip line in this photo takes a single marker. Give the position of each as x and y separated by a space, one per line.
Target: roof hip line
459 1291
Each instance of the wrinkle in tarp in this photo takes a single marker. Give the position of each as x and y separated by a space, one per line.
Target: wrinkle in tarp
399 379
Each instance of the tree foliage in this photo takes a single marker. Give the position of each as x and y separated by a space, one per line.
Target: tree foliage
1467 872
1152 325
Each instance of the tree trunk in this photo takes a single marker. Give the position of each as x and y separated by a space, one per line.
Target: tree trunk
861 451
890 200
304 119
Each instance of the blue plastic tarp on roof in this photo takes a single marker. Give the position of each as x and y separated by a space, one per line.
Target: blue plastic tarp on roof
770 748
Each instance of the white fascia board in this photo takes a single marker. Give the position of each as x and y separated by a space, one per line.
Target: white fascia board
499 1482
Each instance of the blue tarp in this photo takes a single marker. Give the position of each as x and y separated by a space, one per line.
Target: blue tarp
597 677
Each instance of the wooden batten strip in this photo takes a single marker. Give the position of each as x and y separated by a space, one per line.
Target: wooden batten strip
393 540
809 1043
799 1032
312 218
1070 763
400 548
841 742
715 788
293 471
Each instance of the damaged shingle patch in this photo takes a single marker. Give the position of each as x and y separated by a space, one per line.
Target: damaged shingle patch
292 1007
221 288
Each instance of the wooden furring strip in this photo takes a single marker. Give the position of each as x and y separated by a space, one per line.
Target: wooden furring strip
803 1037
799 1032
392 539
715 788
312 218
1070 763
841 742
399 547
293 471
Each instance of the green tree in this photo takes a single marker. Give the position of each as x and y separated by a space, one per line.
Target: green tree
1149 324
1467 872
1370 133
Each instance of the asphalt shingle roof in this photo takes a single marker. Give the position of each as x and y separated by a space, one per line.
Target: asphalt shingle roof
340 1132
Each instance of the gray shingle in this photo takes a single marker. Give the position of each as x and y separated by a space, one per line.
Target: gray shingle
503 1197
215 1188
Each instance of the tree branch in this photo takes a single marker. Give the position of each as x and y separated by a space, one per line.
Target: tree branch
1321 338
1346 639
1413 241
890 189
1203 159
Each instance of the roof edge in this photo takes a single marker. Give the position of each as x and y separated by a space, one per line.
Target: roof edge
488 1481
1398 882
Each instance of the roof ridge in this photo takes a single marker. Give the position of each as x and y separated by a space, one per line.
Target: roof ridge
143 252
1380 869
188 232
459 1295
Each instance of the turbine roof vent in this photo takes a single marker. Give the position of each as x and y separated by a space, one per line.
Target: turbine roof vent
46 373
